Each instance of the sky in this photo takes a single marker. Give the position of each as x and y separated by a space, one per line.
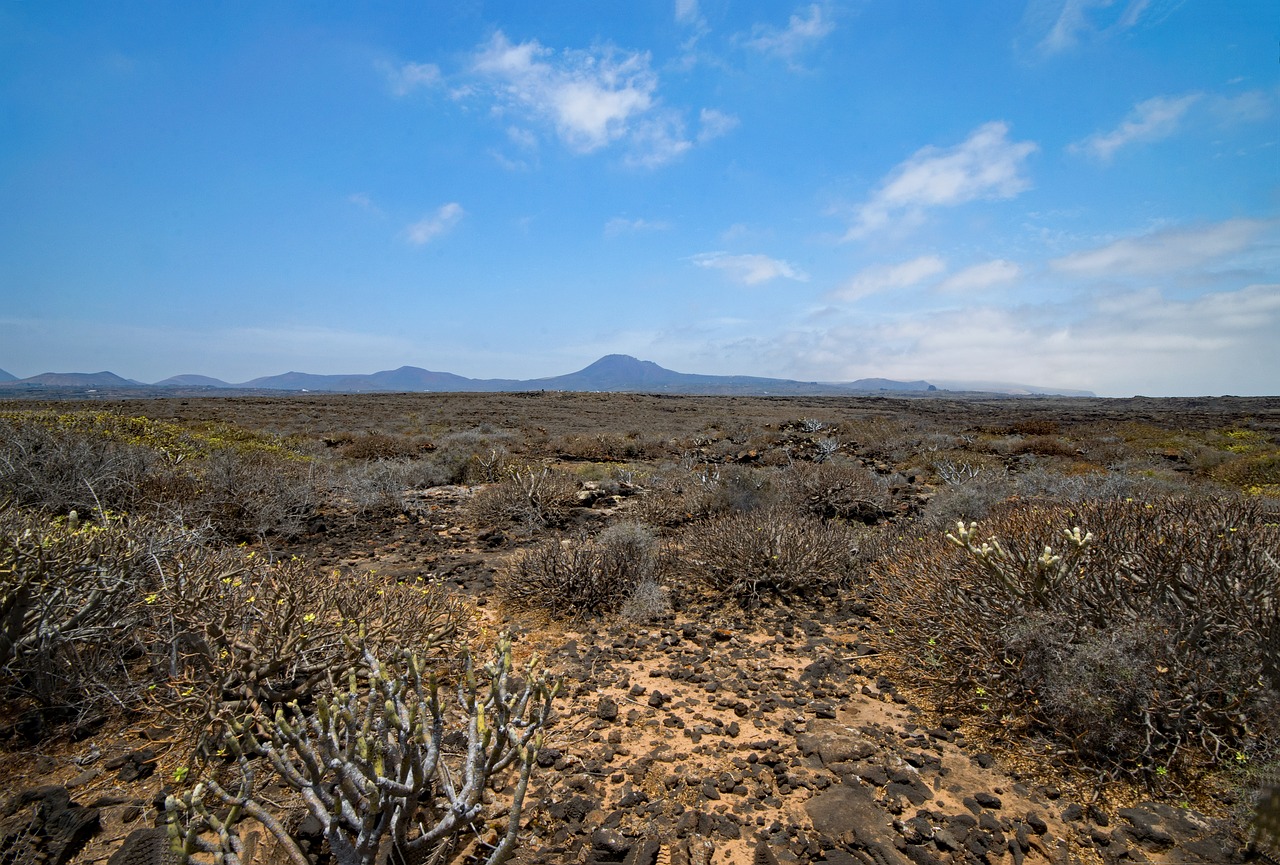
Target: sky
1064 193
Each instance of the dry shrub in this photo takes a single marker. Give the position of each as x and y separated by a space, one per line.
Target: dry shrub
59 470
1045 445
530 496
773 551
666 500
576 577
72 605
974 499
603 447
249 635
1034 427
377 446
250 495
734 489
837 489
475 456
1140 648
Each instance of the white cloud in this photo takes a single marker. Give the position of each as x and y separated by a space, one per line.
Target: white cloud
430 227
1150 120
621 225
1078 20
987 165
981 276
363 201
687 12
1116 345
407 77
750 269
801 32
713 123
1252 106
882 277
1166 251
591 98
657 139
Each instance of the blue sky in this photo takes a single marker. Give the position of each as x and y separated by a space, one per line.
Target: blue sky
1070 193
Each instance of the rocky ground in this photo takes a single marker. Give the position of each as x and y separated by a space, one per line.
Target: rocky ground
705 736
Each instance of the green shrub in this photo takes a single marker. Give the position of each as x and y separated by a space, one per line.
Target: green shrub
1134 633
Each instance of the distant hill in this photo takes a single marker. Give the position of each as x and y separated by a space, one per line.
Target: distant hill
406 378
7 376
620 372
614 372
191 381
78 379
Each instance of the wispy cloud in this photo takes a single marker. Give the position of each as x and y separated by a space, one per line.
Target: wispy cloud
432 226
980 276
1150 120
407 77
882 277
1252 106
1078 20
1135 342
804 29
713 123
750 269
621 225
657 140
1166 251
688 13
986 166
366 203
590 97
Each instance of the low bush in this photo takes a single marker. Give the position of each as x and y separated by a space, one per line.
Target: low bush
531 496
476 456
774 551
378 446
837 489
72 608
1132 633
58 470
734 489
577 577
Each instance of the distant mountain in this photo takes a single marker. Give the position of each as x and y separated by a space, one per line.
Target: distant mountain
613 372
78 379
191 381
620 372
406 378
7 376
1011 389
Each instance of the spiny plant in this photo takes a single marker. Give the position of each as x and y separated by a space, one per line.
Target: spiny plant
372 762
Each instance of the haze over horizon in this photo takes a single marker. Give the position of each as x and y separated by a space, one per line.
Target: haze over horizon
1078 194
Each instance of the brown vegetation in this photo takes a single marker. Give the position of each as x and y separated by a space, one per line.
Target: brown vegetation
1093 584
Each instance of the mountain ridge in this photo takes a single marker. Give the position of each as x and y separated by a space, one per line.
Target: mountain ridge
611 373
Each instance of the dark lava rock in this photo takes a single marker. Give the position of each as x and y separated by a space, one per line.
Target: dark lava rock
915 792
842 810
988 800
834 743
607 709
